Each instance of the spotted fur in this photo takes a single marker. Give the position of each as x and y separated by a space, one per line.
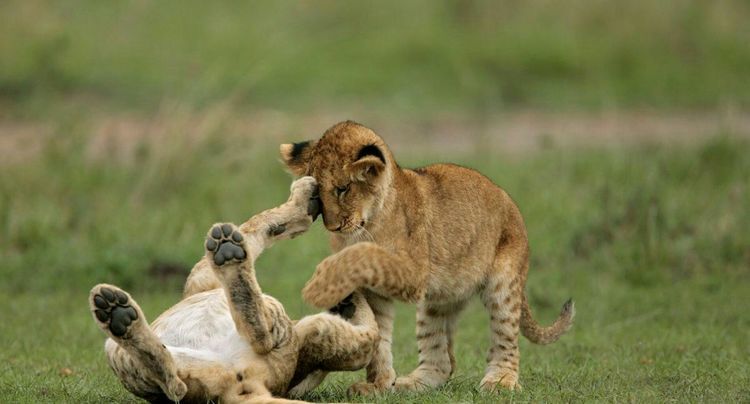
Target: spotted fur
434 236
225 340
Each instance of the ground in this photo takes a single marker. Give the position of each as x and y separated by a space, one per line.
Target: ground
622 129
651 241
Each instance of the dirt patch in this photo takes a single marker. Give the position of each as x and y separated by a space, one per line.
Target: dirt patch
21 141
121 137
528 131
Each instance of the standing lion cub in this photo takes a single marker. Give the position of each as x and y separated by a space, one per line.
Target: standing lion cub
434 236
226 341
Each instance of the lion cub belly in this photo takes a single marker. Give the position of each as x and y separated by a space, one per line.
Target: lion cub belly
201 328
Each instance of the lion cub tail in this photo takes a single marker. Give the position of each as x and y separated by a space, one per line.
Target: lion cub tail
546 335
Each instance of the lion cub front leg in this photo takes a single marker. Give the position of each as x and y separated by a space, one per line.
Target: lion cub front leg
259 318
288 220
364 265
232 251
384 276
263 229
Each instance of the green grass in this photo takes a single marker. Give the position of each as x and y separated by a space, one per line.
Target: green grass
420 55
685 342
651 242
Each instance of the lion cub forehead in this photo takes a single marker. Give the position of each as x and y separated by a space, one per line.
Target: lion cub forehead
330 174
342 144
346 138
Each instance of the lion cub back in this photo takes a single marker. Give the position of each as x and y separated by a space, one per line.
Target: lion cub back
465 216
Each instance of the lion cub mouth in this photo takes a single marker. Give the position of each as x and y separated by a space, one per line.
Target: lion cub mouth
353 230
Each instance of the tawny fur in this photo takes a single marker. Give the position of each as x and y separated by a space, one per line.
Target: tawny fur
434 236
226 340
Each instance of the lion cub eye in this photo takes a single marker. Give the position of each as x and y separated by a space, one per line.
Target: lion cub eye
342 190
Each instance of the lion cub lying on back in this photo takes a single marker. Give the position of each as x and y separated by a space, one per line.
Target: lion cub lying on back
435 236
226 340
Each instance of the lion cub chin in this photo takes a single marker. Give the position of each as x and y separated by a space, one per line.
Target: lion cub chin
227 341
434 236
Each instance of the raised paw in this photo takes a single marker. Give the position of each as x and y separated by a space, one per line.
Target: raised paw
326 288
303 190
113 310
224 244
298 213
305 196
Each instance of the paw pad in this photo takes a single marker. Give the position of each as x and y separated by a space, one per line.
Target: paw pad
345 308
113 309
276 229
314 205
224 241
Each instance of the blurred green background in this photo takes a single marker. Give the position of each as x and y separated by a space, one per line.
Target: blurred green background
458 54
620 128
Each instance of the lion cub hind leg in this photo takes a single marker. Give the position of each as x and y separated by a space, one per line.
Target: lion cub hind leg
138 353
345 338
308 384
502 299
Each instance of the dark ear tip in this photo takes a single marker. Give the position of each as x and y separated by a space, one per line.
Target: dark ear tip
298 149
371 150
295 156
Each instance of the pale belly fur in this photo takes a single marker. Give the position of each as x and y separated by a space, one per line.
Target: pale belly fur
200 329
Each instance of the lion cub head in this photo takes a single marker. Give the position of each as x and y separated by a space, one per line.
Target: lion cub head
353 167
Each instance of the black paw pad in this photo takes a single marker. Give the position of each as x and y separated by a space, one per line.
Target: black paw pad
314 204
226 229
122 317
226 244
113 309
108 294
227 252
99 302
276 229
101 315
346 308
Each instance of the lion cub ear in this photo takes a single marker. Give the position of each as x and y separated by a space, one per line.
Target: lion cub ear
369 165
297 155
